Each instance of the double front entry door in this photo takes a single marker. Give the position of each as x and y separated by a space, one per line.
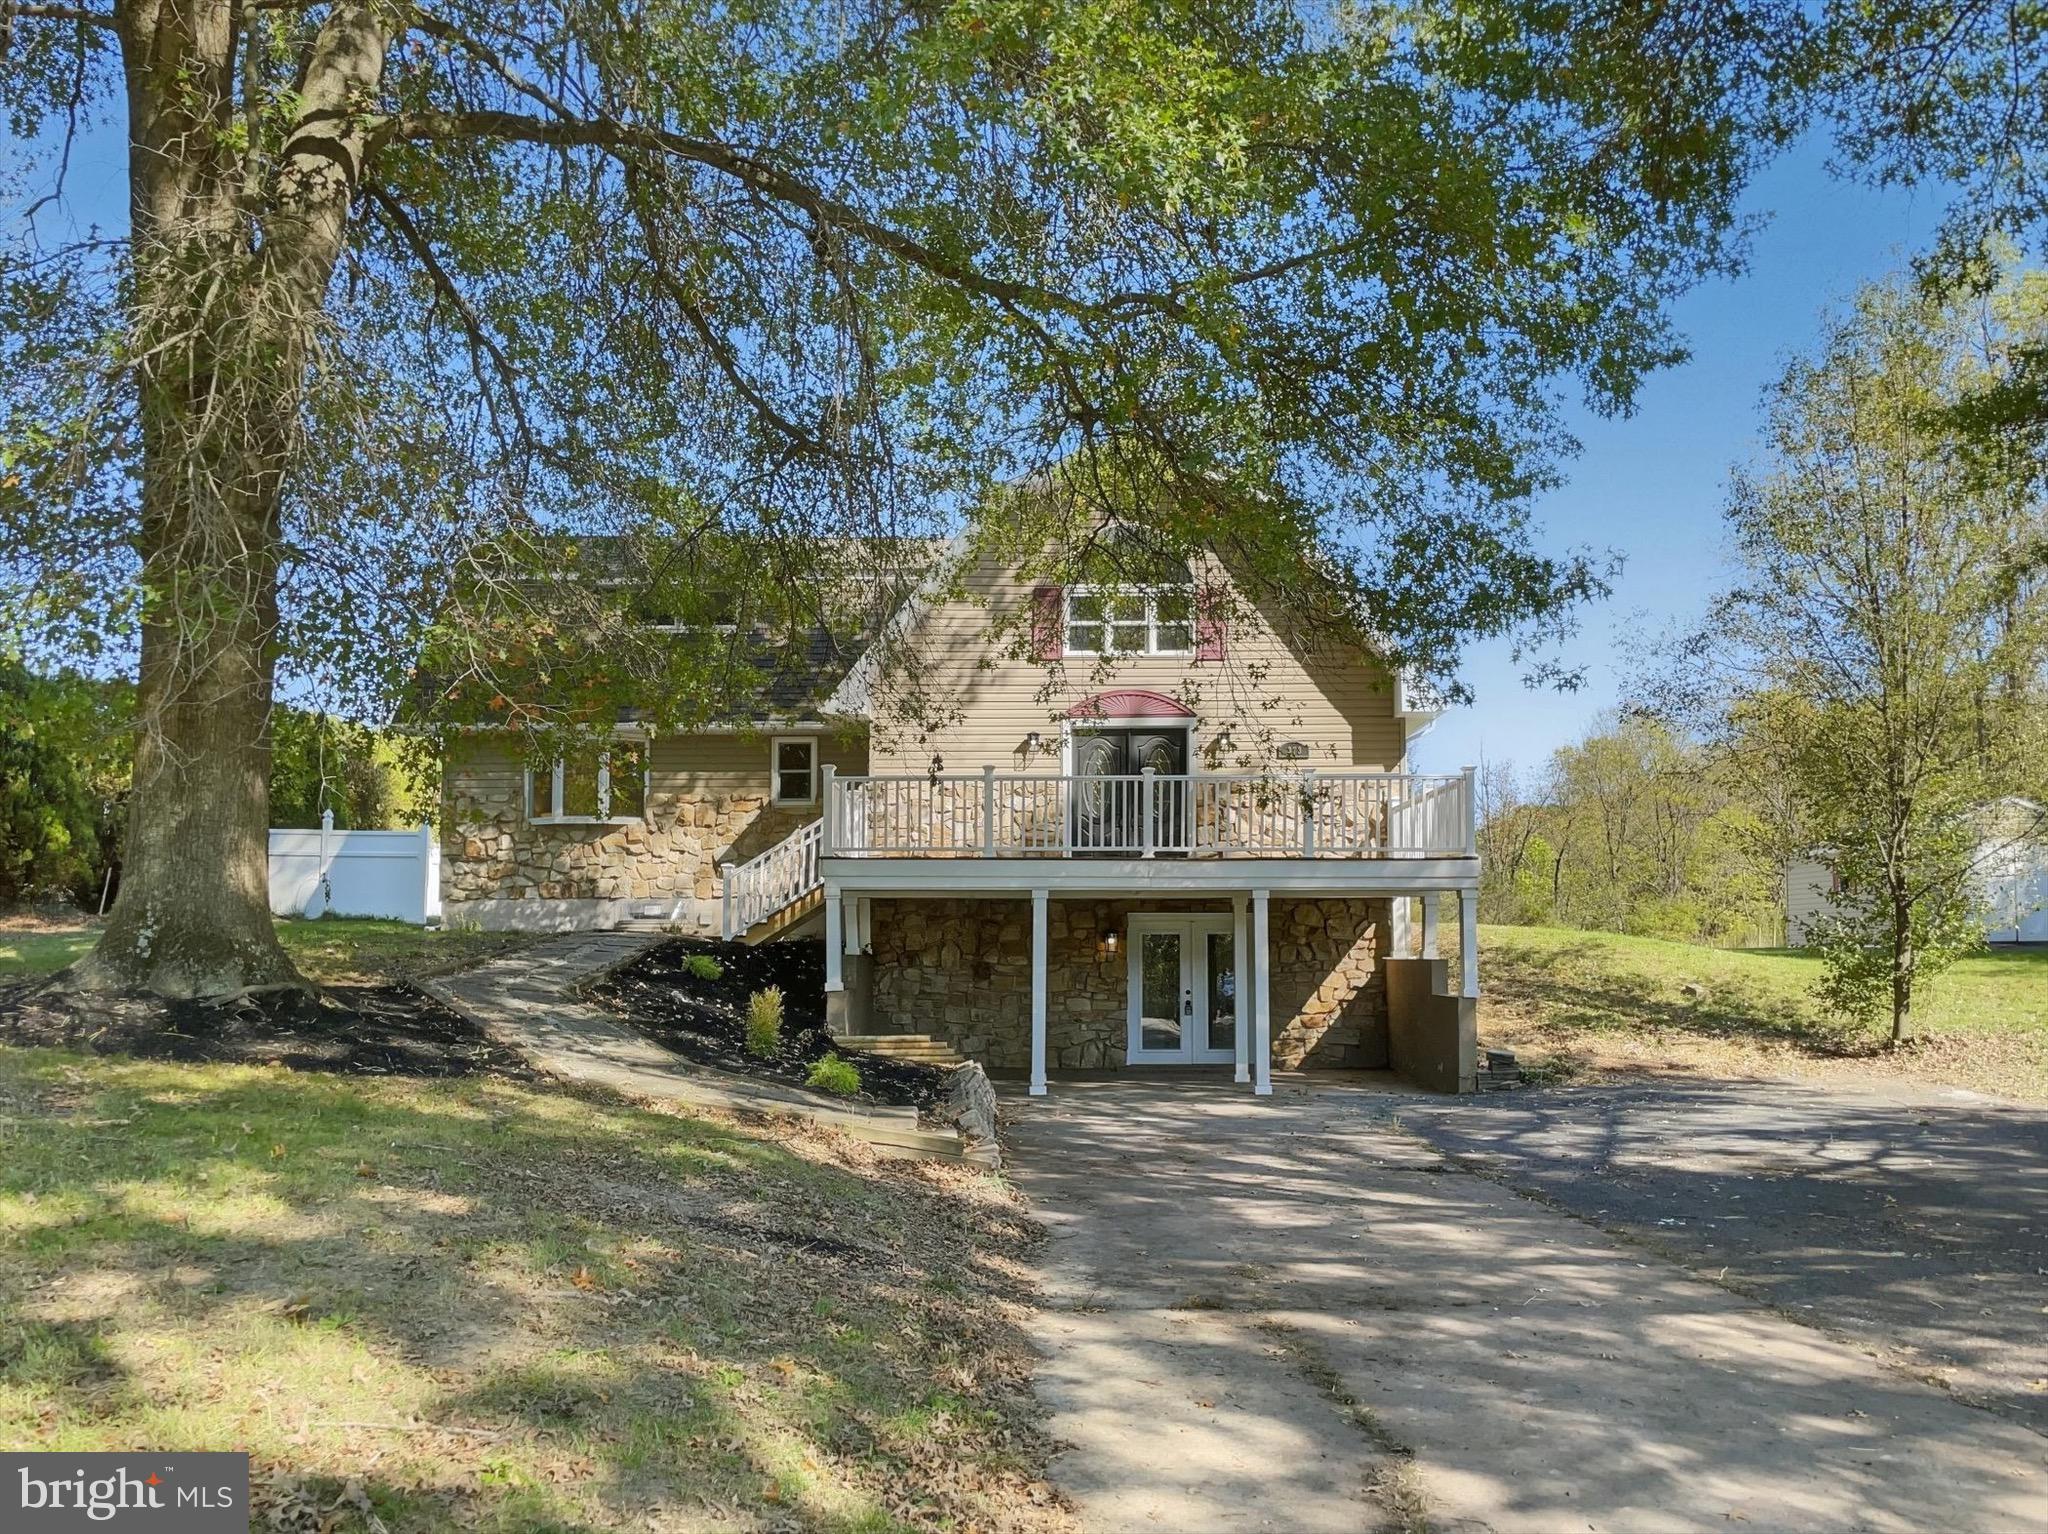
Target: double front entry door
1184 990
1108 813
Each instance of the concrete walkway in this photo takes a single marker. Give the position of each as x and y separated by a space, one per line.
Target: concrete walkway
530 1001
1286 1314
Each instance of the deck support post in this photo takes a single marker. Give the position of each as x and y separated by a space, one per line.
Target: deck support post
1262 1009
1241 994
1038 947
726 898
1468 942
1432 917
835 940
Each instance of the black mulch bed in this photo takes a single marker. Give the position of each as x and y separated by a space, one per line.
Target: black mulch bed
705 1020
357 1030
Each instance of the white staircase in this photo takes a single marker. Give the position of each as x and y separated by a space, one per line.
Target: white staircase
767 896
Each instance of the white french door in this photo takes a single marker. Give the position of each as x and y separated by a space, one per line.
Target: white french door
1183 990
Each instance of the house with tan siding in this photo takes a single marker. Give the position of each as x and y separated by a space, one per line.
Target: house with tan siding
1061 829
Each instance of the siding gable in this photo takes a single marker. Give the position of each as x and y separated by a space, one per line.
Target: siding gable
964 690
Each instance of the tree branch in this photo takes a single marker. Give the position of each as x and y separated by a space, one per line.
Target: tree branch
42 12
826 210
480 338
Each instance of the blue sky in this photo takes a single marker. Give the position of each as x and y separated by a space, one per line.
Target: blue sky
1650 487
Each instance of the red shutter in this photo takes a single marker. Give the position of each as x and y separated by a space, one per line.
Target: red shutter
1048 623
1212 604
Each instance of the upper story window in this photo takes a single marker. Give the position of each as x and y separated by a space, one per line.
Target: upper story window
1153 620
795 768
591 785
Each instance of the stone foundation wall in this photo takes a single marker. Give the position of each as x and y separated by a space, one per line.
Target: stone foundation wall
961 971
1327 983
707 804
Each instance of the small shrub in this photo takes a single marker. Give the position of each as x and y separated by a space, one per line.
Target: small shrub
701 966
836 1075
764 1023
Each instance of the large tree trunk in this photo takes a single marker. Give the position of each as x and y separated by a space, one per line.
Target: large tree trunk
193 917
227 307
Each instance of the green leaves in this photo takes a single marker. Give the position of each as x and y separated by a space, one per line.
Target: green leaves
1887 641
1304 284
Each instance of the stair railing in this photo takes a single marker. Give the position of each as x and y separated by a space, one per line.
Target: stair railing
756 889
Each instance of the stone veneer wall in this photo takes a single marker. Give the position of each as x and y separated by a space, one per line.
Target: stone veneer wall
707 804
961 971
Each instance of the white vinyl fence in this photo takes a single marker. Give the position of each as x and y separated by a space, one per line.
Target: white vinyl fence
395 874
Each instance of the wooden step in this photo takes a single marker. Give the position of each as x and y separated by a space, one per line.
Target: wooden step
798 911
920 1047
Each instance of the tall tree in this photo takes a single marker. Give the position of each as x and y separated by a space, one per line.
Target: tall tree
1886 639
405 288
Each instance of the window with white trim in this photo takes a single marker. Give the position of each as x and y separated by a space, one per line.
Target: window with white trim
591 785
1130 620
794 765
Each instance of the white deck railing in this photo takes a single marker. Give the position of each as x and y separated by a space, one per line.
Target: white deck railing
757 889
994 814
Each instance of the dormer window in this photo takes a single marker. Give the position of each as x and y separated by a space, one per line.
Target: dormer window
1150 620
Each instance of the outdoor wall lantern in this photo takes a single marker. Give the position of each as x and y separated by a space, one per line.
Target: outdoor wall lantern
1107 948
1031 744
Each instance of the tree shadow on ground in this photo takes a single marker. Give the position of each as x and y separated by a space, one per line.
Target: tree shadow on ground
1915 1227
1562 993
491 1305
1536 1375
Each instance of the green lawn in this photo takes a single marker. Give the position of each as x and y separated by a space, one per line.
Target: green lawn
425 1306
331 950
1584 997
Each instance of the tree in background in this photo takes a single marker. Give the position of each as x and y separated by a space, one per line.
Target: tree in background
66 746
366 777
1633 828
404 282
1884 645
63 780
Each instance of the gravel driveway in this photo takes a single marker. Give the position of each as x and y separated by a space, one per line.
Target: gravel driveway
1291 1314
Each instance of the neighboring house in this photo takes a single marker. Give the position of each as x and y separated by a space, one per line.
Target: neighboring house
1164 837
2012 879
